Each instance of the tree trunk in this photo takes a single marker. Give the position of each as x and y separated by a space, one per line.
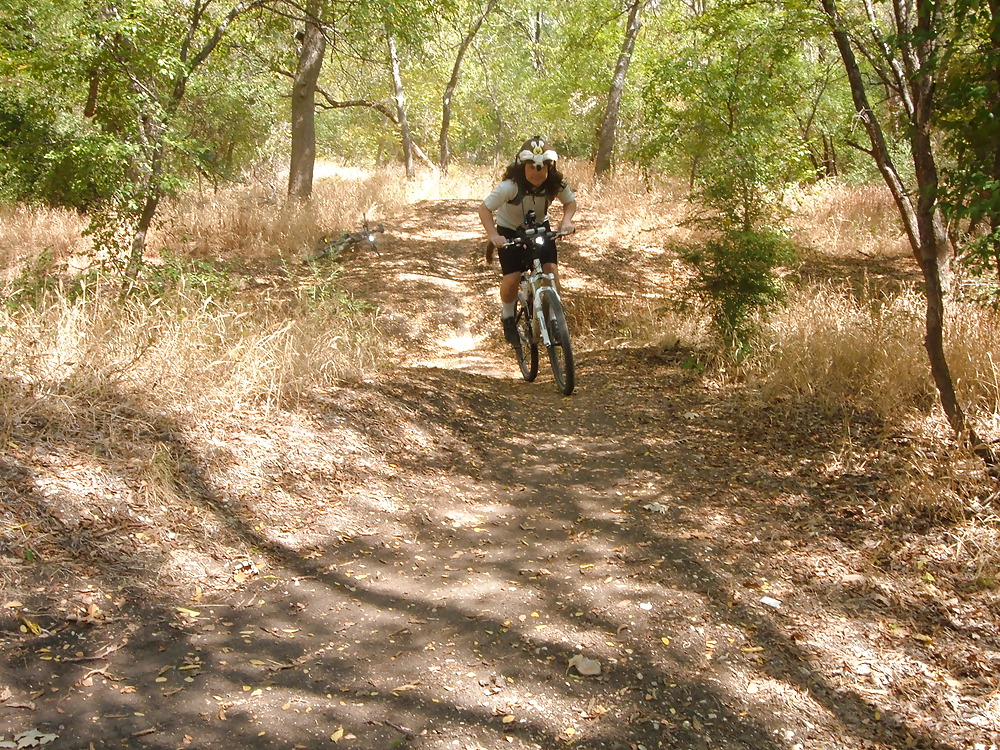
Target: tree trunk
303 122
404 127
923 223
609 125
90 108
444 156
879 150
137 249
536 41
994 105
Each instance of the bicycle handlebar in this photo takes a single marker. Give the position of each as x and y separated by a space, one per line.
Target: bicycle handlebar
536 233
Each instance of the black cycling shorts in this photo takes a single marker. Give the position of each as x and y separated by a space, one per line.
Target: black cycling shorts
517 259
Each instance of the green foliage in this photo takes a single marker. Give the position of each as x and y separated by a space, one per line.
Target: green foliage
970 100
54 157
209 278
323 289
42 279
732 105
36 280
737 277
45 276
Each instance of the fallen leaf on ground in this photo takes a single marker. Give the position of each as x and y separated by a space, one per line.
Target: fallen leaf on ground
34 627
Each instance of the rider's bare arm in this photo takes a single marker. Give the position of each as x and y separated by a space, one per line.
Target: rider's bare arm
566 225
486 217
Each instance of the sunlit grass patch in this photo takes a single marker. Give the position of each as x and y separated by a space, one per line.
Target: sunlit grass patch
856 220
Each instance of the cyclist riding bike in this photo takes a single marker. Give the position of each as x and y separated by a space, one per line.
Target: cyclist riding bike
529 187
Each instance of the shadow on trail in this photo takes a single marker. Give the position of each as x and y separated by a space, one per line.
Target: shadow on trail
464 607
487 532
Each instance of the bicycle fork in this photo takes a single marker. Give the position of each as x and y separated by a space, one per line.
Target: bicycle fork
537 286
540 327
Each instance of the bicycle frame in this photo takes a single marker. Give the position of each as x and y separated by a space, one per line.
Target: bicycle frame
538 283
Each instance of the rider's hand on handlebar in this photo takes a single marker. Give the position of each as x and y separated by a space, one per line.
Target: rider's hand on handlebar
498 239
566 228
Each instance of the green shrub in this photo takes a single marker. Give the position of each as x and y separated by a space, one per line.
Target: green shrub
52 158
737 277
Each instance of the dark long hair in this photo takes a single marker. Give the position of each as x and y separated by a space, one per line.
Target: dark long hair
553 184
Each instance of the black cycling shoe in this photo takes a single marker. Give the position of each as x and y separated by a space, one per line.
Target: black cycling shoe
510 331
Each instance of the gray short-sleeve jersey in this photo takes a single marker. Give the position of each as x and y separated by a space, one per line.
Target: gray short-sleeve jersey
512 215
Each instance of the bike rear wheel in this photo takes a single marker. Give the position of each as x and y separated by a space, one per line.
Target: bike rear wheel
560 349
527 349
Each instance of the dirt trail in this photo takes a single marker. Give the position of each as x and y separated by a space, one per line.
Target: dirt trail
484 532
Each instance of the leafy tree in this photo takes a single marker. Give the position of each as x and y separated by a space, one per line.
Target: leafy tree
480 15
47 153
152 51
735 278
969 103
910 50
722 109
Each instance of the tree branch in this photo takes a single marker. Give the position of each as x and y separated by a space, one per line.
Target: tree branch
332 103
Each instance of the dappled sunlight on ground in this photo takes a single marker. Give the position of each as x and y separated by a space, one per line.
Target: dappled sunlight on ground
421 556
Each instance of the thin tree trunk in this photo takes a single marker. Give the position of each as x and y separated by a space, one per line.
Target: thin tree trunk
303 122
536 40
994 104
404 127
154 127
90 108
444 155
138 246
609 125
923 223
879 151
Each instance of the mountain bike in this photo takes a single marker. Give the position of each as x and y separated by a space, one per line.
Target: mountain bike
540 317
346 242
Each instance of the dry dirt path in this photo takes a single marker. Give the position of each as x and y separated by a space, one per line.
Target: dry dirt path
487 533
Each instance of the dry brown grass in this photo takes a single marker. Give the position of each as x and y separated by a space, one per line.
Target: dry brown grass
847 353
255 222
28 232
186 354
839 219
854 344
195 347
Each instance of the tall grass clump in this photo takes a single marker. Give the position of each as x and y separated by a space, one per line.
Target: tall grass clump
255 222
189 338
845 352
183 350
838 219
30 232
866 353
974 358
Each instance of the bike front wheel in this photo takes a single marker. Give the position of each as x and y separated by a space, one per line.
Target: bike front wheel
527 348
560 349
